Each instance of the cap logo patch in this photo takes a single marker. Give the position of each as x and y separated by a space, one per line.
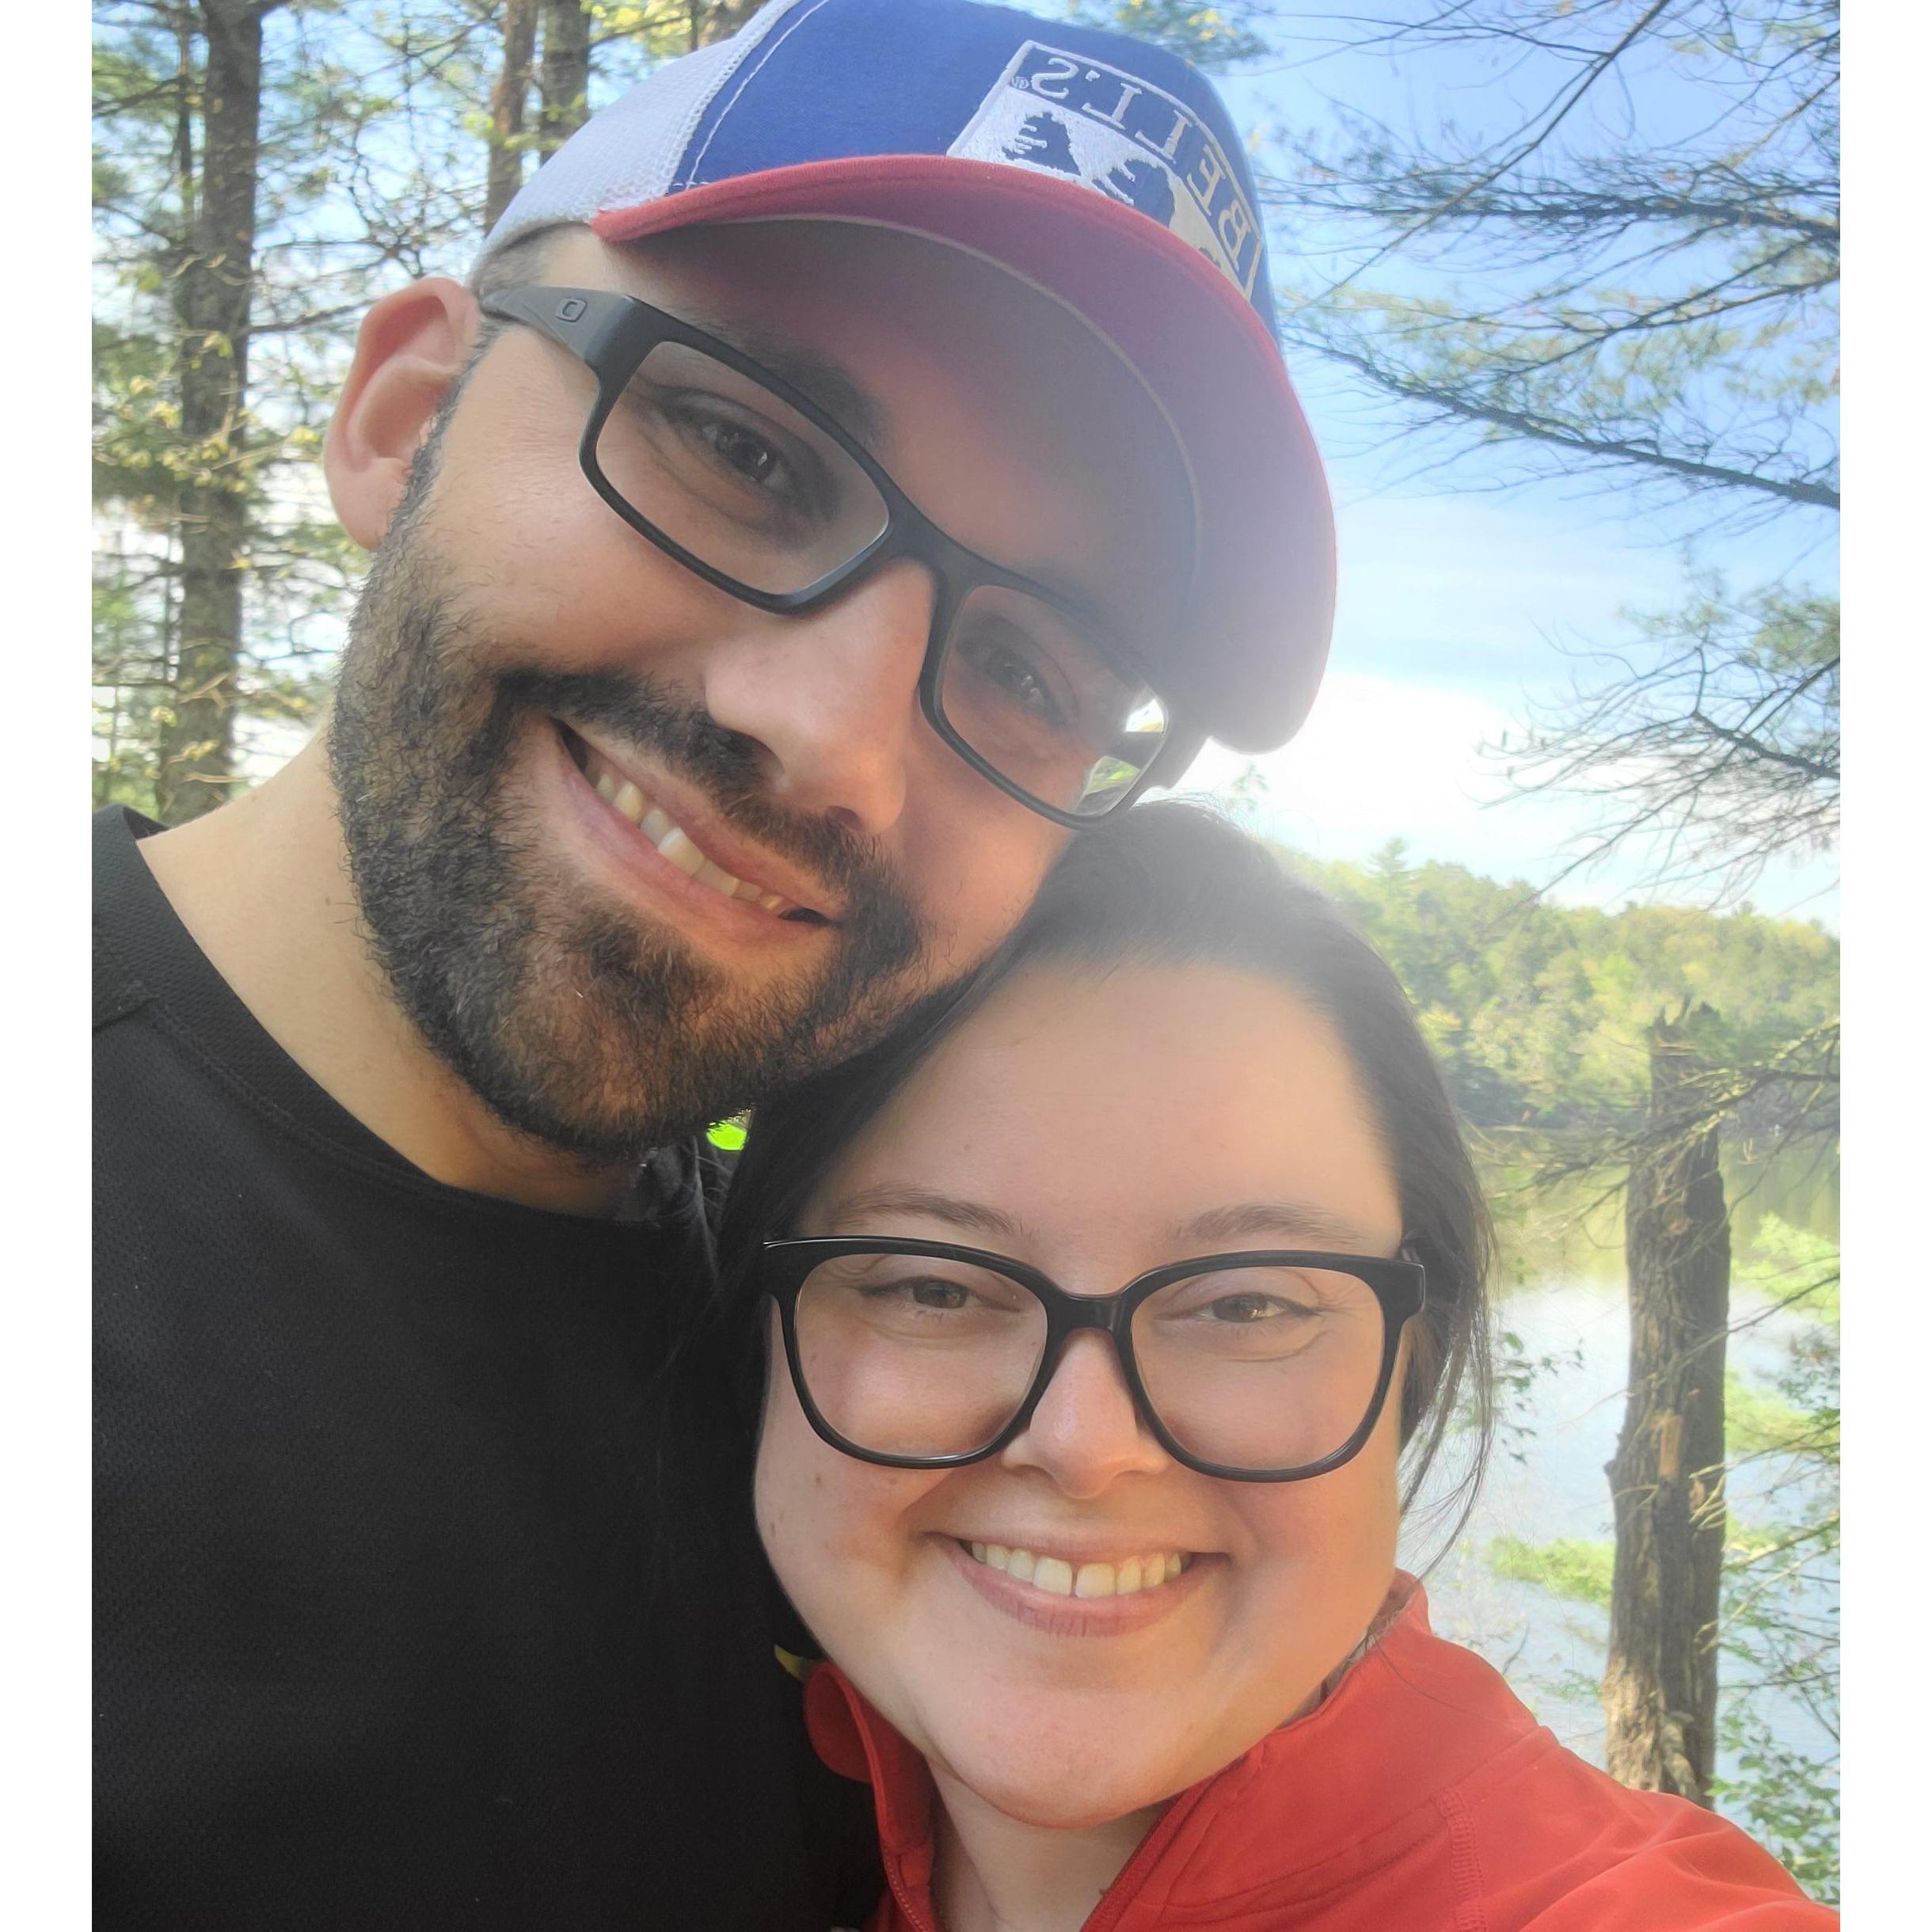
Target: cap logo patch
1060 113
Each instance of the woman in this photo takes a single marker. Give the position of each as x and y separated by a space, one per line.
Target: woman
1107 1304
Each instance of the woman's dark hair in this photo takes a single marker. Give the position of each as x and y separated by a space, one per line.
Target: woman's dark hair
1173 884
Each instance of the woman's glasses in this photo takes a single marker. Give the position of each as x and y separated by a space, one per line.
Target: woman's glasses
1266 1366
742 479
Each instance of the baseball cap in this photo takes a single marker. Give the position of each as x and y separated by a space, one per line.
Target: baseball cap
1100 168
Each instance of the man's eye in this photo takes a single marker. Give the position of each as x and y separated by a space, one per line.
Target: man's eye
743 451
1014 674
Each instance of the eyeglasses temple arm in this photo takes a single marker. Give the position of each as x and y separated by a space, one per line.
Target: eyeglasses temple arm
1183 747
584 320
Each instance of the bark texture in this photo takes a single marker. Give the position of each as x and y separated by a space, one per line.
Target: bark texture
564 78
213 290
717 20
1667 1479
507 103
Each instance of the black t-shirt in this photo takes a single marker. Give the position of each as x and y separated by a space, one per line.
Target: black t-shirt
425 1596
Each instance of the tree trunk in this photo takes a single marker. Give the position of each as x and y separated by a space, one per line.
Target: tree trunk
212 293
1667 1479
564 82
717 20
506 108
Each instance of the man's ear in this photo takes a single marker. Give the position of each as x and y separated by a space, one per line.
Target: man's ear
412 347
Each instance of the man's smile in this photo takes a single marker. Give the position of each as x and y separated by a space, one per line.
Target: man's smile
690 838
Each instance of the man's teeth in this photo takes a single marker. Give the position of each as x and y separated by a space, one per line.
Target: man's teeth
672 841
1060 1578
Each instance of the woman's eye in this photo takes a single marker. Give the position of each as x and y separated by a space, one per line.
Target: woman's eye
1236 1308
925 1293
939 1294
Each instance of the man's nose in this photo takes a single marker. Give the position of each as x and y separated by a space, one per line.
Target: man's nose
1086 1431
832 698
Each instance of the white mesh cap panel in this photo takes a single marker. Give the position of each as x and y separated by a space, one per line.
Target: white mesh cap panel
630 151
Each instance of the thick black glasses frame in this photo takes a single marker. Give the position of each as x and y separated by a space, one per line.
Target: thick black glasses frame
611 334
1400 1286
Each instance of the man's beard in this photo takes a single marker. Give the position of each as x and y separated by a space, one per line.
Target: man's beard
575 1023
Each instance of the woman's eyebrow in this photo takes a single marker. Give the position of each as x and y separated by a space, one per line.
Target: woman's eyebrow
976 1217
1303 1220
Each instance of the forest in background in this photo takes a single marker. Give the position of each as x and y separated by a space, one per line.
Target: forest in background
1612 272
1541 1015
1537 1011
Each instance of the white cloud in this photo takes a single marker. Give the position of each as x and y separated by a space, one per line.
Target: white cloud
1378 759
1383 758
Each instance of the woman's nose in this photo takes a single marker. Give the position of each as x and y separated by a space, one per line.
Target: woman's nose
1086 1431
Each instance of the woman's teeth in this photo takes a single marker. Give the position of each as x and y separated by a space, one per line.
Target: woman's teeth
1060 1578
673 842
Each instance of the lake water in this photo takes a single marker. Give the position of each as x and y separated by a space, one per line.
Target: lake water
1566 1306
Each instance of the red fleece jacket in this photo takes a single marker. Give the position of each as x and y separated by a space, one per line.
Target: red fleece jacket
1420 1795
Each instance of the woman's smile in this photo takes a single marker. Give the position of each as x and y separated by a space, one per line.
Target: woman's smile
1082 1577
1056 1595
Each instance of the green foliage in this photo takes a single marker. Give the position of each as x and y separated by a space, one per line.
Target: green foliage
1757 1422
1780 1627
1210 36
1567 1568
1790 1796
1791 1266
1537 1011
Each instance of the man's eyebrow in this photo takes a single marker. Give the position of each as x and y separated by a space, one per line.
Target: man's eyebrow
1300 1220
973 1217
828 382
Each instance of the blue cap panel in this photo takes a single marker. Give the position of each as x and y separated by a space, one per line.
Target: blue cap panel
836 79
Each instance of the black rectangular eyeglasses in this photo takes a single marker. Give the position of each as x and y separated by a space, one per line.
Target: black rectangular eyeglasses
741 478
1267 1366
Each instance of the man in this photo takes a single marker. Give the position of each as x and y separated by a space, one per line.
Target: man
835 491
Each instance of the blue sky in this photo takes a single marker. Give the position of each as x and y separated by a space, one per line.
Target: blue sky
1456 595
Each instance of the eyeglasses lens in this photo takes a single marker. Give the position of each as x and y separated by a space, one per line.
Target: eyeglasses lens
1261 1367
738 478
1031 691
909 1355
